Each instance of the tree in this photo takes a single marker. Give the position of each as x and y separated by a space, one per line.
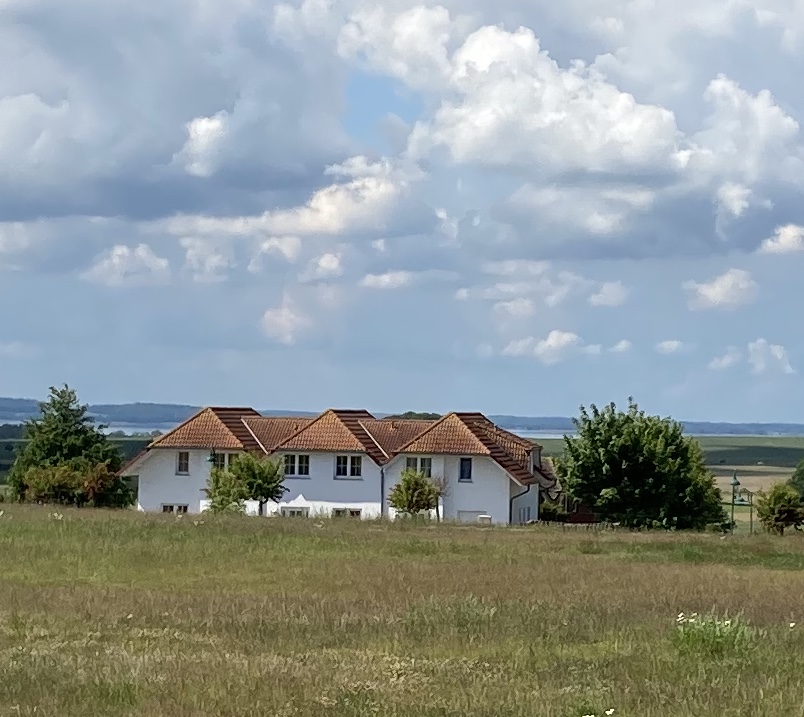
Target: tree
780 508
639 470
414 494
262 478
442 488
797 479
226 493
65 435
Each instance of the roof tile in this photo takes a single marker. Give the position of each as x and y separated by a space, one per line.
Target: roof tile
207 430
328 432
270 431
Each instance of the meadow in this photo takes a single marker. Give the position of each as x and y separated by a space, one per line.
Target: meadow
127 614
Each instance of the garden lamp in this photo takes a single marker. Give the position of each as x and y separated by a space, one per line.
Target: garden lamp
734 485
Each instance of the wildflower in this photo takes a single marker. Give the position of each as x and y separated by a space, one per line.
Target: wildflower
792 625
610 712
129 616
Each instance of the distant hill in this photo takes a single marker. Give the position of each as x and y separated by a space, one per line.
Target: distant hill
149 416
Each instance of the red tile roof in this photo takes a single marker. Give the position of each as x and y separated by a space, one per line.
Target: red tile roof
357 431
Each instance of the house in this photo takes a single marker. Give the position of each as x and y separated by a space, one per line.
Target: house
346 462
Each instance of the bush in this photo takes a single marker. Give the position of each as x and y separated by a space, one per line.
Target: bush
780 508
414 494
226 492
77 484
552 511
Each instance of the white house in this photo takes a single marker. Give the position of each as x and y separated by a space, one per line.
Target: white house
346 462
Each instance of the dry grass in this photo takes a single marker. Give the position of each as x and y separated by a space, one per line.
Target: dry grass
124 614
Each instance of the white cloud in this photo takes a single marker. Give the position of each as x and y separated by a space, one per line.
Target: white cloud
388 280
785 240
201 153
730 358
610 293
552 349
207 261
733 198
520 308
326 266
509 104
731 289
288 247
670 346
765 356
621 347
127 266
284 322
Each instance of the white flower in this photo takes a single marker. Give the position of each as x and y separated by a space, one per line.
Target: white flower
610 712
792 625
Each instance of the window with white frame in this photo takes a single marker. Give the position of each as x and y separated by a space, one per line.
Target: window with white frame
219 460
417 464
173 508
355 466
295 512
465 475
297 465
346 512
348 466
183 463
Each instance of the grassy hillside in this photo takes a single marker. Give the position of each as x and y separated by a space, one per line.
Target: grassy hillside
105 615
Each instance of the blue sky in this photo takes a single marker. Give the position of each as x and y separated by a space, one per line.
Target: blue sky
467 205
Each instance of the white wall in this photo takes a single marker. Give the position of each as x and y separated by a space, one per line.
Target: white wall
525 507
159 484
321 492
489 491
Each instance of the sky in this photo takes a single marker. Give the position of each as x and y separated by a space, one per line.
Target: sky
498 206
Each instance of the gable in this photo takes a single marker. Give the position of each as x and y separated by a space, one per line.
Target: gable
325 433
210 428
449 435
270 431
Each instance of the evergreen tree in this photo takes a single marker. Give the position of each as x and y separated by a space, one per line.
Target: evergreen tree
63 435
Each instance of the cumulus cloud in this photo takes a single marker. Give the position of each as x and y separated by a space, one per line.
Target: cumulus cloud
785 240
670 346
732 288
283 323
621 347
552 349
730 358
321 268
127 266
765 357
610 293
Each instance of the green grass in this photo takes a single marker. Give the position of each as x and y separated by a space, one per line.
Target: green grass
125 614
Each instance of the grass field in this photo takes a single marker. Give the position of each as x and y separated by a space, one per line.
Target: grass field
127 614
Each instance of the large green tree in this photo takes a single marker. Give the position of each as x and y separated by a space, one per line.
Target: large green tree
639 470
413 494
263 478
780 508
63 435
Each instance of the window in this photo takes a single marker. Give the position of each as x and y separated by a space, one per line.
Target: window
297 466
183 462
524 514
290 465
356 466
341 466
295 512
170 508
219 460
466 470
346 513
420 465
230 458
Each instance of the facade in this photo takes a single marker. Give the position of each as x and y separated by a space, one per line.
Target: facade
346 462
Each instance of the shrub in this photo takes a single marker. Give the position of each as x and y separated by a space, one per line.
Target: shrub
226 492
414 494
79 484
780 508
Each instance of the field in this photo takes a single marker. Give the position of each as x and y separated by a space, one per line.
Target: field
126 614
